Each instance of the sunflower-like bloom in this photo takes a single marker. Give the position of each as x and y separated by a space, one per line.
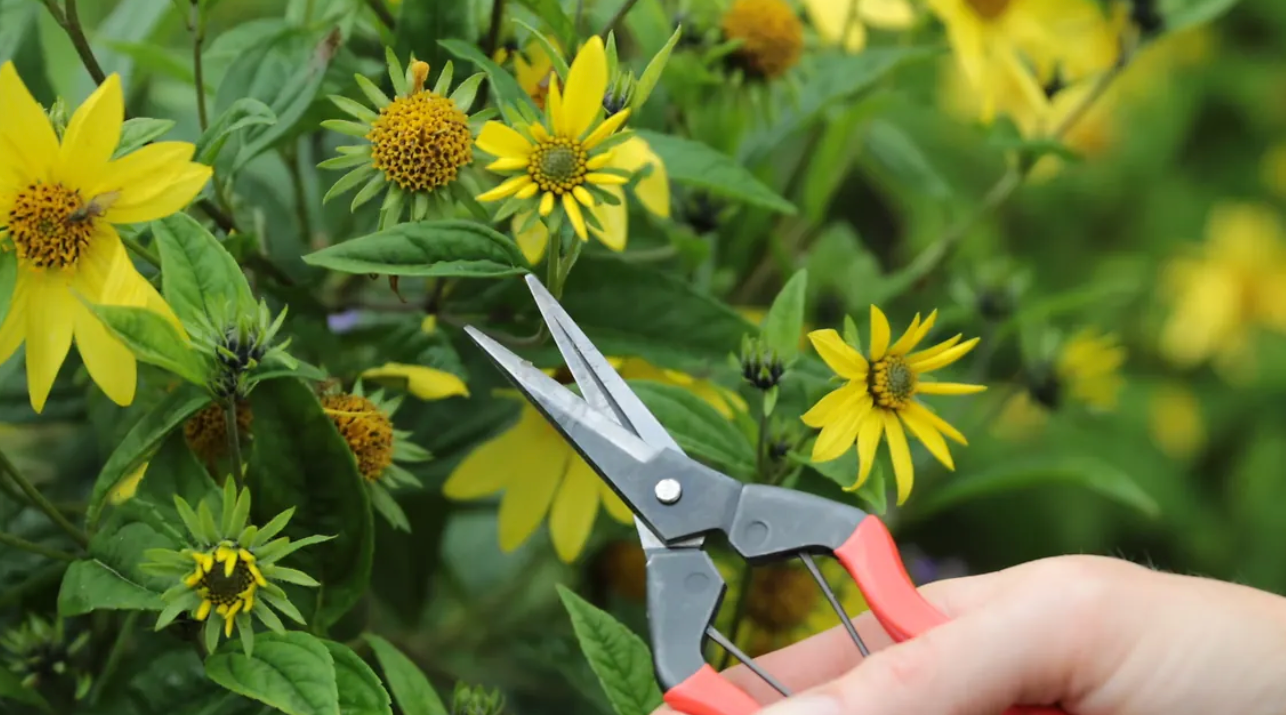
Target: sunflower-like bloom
562 163
837 24
1224 291
540 474
879 398
231 570
416 142
366 424
1085 371
771 35
59 203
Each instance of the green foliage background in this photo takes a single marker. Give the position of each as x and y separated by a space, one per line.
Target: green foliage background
851 180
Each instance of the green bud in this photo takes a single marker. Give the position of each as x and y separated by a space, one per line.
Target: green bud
469 700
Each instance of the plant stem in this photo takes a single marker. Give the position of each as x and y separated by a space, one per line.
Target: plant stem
113 657
650 255
301 195
196 23
620 15
141 251
234 439
739 614
580 15
18 542
383 13
70 23
40 502
493 32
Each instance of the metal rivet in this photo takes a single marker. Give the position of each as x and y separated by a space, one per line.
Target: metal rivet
668 491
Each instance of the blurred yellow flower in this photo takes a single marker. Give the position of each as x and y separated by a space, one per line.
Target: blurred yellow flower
832 18
1175 422
771 35
540 475
534 70
425 383
59 201
878 398
785 605
1087 371
1274 169
1222 292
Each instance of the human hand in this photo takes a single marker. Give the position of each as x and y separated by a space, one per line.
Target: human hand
1095 635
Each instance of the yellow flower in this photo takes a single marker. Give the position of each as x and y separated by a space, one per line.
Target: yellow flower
534 70
1175 422
425 383
771 34
1222 292
1087 371
540 475
832 17
997 43
879 398
59 202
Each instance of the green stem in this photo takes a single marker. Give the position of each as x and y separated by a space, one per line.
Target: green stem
40 502
620 15
650 255
301 195
234 439
18 542
497 21
141 251
383 13
113 657
196 23
70 23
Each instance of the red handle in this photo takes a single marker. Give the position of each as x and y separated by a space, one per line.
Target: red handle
708 693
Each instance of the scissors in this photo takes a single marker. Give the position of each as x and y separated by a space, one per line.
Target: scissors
677 501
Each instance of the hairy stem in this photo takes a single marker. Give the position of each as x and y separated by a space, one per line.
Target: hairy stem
70 23
40 502
18 542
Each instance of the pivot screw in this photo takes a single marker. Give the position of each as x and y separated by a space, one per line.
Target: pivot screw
668 491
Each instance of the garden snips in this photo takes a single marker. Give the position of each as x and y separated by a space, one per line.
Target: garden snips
677 501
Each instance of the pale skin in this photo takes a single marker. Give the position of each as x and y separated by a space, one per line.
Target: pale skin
1098 636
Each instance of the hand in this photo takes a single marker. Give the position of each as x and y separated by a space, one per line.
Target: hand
1094 635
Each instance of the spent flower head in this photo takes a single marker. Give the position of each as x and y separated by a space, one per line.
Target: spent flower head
37 652
416 142
228 575
770 34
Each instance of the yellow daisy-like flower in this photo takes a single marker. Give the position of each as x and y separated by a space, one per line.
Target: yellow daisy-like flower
564 158
416 142
541 476
1222 292
534 70
59 202
771 35
844 22
1086 371
879 398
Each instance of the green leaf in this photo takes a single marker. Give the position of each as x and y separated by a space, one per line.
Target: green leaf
153 340
446 249
300 460
293 672
695 164
199 277
244 113
112 577
411 690
652 73
360 689
421 22
785 320
11 687
8 280
145 436
508 92
560 25
1182 14
896 153
137 132
619 658
1023 473
843 471
698 428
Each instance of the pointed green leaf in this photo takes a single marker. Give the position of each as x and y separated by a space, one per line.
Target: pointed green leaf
452 248
785 320
388 507
696 164
354 108
199 276
619 658
153 340
411 690
243 114
652 73
698 428
293 672
360 689
138 132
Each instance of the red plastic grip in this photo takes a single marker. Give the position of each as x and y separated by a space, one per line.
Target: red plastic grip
871 557
708 693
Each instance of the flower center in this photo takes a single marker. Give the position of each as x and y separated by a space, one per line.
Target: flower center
892 382
989 9
206 432
221 589
772 36
366 429
421 141
780 598
51 225
558 165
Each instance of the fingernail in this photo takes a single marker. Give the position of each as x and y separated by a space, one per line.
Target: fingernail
805 705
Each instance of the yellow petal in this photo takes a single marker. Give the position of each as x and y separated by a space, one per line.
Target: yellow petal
879 333
831 18
510 187
50 317
586 84
425 383
935 350
900 453
614 505
839 434
509 163
503 142
839 355
888 14
546 204
583 196
554 107
203 611
571 518
615 221
25 134
527 192
528 498
492 465
948 388
533 241
229 562
110 364
920 332
919 412
600 179
605 129
93 133
574 214
825 410
930 436
177 194
228 619
142 174
653 190
944 358
904 344
868 440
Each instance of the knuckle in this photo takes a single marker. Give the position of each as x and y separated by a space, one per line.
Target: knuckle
907 666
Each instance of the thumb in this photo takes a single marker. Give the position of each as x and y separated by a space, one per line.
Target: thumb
1015 651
